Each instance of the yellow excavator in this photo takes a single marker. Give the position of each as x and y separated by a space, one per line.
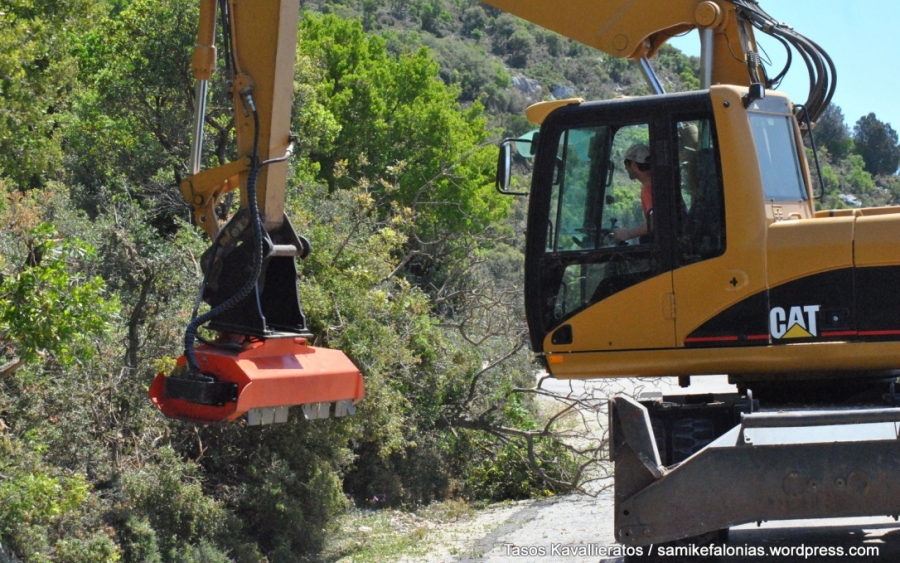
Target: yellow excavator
726 268
729 269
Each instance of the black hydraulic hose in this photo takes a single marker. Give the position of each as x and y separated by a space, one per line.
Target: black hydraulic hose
815 151
822 72
190 333
226 37
818 75
775 82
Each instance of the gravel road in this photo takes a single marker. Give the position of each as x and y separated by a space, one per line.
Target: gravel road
579 529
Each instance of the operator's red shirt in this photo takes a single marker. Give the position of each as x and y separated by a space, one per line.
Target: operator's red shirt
646 197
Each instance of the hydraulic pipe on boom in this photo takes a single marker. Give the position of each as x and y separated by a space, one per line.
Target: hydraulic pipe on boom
260 363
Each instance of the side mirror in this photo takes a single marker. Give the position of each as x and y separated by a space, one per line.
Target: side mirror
524 148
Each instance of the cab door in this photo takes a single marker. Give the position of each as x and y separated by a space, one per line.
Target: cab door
721 296
586 291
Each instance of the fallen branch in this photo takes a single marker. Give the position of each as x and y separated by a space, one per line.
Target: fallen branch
11 366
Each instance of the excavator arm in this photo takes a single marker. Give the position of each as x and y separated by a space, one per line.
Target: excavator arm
637 29
260 363
260 50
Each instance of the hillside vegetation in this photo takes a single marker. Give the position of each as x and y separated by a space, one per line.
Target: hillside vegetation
415 272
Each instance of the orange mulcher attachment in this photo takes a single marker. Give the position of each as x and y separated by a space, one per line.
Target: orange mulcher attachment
261 378
260 364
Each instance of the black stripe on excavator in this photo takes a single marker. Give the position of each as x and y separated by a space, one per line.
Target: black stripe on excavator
845 304
878 303
742 324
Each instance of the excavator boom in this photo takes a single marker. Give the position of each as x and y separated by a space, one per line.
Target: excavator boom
636 29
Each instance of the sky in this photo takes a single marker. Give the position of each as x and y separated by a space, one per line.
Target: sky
862 37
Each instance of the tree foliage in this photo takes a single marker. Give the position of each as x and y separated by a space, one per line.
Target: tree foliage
415 274
876 143
45 308
129 127
387 105
832 133
37 81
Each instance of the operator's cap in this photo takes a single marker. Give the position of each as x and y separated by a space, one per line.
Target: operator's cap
638 153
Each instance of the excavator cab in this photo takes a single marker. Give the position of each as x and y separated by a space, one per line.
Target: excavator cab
736 272
581 194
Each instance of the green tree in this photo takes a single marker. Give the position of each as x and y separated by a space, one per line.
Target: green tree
397 116
51 305
473 20
45 509
519 46
132 126
503 28
876 142
832 132
433 16
37 82
473 71
858 180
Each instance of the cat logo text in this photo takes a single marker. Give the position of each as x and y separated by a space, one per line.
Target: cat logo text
797 322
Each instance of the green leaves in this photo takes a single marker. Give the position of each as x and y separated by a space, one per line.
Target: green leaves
131 123
876 143
37 78
43 506
396 114
49 307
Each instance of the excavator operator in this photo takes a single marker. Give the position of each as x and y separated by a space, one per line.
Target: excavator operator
637 164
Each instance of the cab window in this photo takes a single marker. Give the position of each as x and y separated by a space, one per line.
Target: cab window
701 209
779 165
596 212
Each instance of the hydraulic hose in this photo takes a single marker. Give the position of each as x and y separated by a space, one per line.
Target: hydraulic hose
190 333
822 71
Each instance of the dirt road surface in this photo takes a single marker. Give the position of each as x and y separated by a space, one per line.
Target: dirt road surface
579 528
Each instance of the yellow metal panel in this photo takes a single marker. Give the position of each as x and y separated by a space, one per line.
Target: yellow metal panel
878 240
803 361
872 211
636 318
707 288
617 27
537 113
638 28
796 249
265 43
